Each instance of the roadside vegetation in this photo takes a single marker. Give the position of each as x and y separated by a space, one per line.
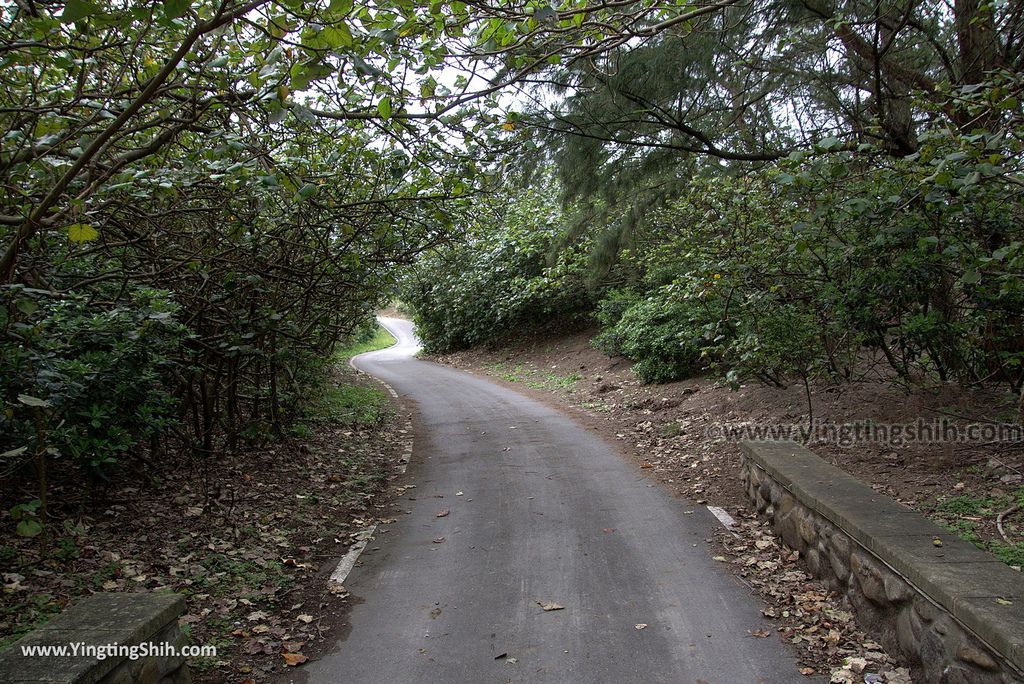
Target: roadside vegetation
245 550
836 266
535 378
884 234
373 338
204 202
505 276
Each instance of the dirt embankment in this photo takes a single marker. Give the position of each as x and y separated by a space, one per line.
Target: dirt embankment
678 429
685 435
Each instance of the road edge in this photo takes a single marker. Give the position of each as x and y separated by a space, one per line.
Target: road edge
349 560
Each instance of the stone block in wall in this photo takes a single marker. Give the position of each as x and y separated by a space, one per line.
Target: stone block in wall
869 578
99 620
839 555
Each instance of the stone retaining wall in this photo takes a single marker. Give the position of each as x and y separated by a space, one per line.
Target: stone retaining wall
954 612
148 621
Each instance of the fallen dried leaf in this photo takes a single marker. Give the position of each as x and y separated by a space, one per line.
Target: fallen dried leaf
640 625
842 676
304 618
900 675
443 512
550 605
293 659
858 665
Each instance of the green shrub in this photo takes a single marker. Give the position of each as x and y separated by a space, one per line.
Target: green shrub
660 334
88 381
610 311
801 270
500 282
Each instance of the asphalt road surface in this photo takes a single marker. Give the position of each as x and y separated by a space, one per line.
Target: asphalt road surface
549 512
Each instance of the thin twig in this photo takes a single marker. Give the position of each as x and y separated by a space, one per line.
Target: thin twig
999 521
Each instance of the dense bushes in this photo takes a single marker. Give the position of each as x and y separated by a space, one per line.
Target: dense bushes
795 271
833 263
500 281
184 241
88 382
659 332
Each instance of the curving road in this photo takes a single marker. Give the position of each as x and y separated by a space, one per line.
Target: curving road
549 513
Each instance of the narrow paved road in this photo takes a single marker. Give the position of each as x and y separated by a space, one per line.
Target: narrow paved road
550 513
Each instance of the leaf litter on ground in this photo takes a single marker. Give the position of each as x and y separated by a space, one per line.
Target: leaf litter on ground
243 552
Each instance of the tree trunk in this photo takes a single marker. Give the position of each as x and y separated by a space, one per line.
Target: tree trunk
976 39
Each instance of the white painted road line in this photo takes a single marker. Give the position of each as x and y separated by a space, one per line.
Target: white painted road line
348 561
727 520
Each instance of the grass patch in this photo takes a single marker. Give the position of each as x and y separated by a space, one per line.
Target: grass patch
1011 554
511 376
349 405
535 378
507 374
966 530
966 517
381 339
966 505
565 382
237 575
673 429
